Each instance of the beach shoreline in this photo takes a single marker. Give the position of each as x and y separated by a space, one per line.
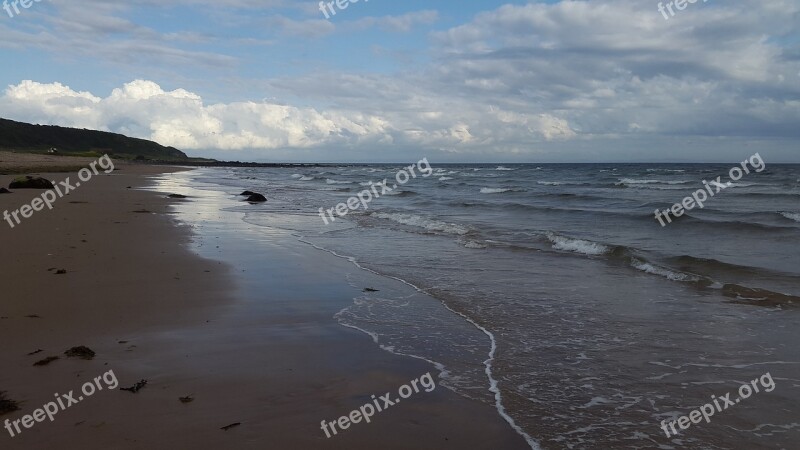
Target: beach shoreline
137 292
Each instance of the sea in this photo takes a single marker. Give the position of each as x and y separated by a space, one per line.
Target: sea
556 296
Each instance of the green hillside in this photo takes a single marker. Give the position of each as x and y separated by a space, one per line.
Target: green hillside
20 136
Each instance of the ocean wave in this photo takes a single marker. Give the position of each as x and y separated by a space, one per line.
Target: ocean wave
632 181
423 222
397 193
474 245
330 181
759 297
791 215
445 178
666 273
487 190
577 245
307 178
297 175
549 183
502 168
663 188
331 189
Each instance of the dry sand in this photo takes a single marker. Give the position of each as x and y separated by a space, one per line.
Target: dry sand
137 295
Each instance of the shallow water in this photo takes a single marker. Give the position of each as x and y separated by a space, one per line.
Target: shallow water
603 322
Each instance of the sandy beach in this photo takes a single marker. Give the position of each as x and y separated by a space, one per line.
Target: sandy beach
245 338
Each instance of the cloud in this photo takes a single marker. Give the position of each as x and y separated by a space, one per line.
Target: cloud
403 23
180 118
516 79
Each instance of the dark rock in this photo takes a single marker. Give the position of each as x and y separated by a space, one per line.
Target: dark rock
80 352
29 182
247 193
256 198
4 191
176 196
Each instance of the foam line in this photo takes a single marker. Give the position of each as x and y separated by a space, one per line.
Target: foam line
493 383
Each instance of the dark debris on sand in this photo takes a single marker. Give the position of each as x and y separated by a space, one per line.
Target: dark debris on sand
45 361
7 405
136 387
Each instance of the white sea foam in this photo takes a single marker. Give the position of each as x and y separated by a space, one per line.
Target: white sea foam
577 245
307 178
791 215
475 245
422 222
445 178
297 175
635 181
504 168
494 190
649 183
666 273
330 181
549 183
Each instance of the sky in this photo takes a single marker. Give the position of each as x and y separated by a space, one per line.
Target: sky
396 81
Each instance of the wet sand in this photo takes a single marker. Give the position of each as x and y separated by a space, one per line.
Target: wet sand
249 334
